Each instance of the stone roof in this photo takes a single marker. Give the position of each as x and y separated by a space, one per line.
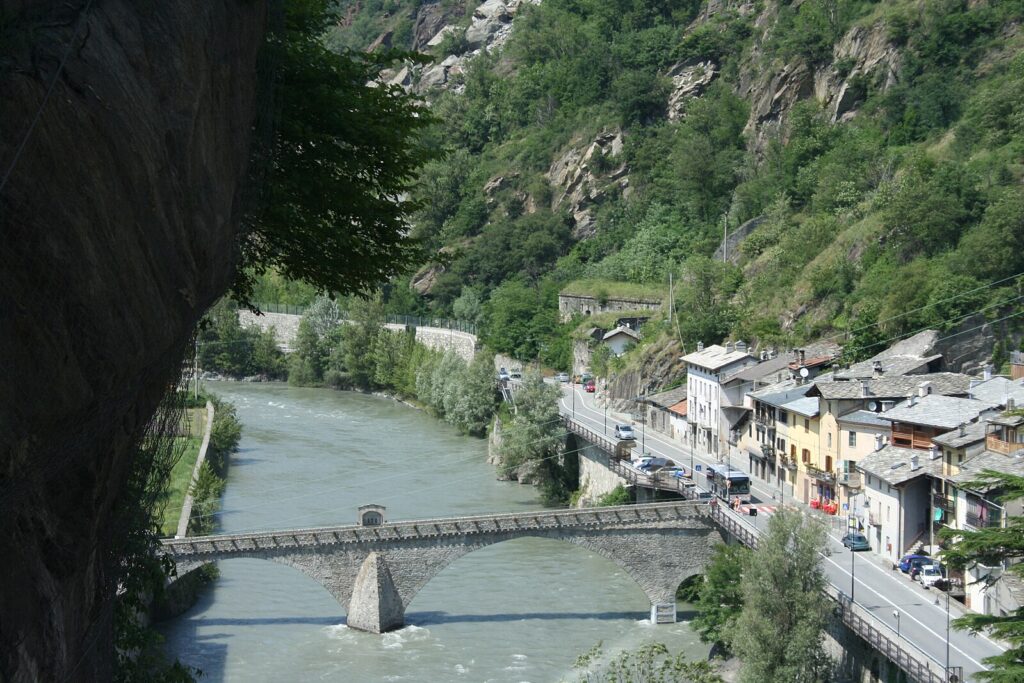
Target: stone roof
942 383
752 373
988 460
1008 420
998 389
973 433
892 464
807 406
668 398
781 393
865 417
944 412
715 357
891 366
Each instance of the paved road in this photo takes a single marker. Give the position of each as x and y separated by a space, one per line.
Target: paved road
877 588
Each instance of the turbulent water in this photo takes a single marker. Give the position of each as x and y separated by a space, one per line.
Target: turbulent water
517 611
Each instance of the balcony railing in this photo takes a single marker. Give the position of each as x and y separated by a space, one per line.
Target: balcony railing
820 474
853 480
997 445
787 462
976 521
944 504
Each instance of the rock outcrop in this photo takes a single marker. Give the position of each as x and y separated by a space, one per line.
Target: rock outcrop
119 225
689 80
580 183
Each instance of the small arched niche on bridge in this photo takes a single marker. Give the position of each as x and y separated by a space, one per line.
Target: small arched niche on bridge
371 515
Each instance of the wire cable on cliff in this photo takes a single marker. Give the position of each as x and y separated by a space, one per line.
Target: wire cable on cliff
46 97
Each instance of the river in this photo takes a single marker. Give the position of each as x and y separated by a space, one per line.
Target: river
516 611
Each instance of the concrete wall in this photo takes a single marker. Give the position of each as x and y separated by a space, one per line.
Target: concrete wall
286 326
595 478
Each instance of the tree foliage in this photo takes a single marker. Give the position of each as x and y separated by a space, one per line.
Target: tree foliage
994 547
651 663
779 633
335 169
720 595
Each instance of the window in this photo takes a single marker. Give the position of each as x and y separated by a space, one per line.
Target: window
807 424
750 430
806 455
852 439
783 417
830 439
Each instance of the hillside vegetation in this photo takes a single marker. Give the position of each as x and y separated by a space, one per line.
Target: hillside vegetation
878 145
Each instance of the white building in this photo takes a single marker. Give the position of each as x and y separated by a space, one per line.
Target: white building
706 368
897 498
620 339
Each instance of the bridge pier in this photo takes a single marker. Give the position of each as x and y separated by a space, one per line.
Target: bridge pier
375 605
663 612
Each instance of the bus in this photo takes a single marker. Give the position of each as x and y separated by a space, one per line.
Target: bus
728 484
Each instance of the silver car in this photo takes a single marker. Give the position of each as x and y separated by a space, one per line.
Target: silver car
624 432
562 377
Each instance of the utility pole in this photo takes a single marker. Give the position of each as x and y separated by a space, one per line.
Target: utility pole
196 365
852 565
725 238
670 298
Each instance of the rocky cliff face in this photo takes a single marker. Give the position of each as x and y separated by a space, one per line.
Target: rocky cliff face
118 225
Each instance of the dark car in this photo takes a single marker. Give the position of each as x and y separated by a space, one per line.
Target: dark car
856 541
912 562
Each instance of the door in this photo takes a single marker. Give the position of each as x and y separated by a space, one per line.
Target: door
807 490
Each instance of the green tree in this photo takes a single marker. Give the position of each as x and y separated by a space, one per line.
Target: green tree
469 306
474 402
993 547
706 313
533 440
651 663
778 635
337 153
358 337
720 595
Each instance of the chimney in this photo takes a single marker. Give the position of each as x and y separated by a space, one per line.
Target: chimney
700 346
729 347
935 452
865 389
741 346
972 385
915 463
911 400
963 429
877 368
924 388
986 372
1011 404
879 442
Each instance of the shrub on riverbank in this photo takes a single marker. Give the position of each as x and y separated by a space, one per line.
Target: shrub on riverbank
227 348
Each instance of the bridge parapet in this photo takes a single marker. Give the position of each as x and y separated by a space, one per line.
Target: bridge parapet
518 523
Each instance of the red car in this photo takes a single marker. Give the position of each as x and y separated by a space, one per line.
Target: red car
589 387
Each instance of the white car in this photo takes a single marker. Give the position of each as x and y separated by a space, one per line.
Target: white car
930 575
562 377
624 432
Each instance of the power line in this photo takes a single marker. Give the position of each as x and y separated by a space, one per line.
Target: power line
46 97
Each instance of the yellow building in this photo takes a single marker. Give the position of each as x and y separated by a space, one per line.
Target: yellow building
814 478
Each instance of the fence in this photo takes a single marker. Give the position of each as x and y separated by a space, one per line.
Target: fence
407 320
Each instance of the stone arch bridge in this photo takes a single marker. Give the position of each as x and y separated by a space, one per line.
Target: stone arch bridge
376 571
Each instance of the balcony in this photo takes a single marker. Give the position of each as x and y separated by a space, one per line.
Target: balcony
986 520
820 474
997 445
945 504
787 462
764 420
853 480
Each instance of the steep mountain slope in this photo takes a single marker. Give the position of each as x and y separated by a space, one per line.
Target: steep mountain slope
871 152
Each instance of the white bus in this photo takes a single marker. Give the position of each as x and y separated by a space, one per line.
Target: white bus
728 484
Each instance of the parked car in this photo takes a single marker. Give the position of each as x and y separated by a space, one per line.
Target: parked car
930 575
911 562
562 377
589 387
624 432
503 375
856 541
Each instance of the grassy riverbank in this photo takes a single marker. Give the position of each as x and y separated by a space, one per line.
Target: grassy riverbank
181 476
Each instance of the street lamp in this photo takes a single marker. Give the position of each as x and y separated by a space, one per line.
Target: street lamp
947 635
852 564
606 416
896 614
